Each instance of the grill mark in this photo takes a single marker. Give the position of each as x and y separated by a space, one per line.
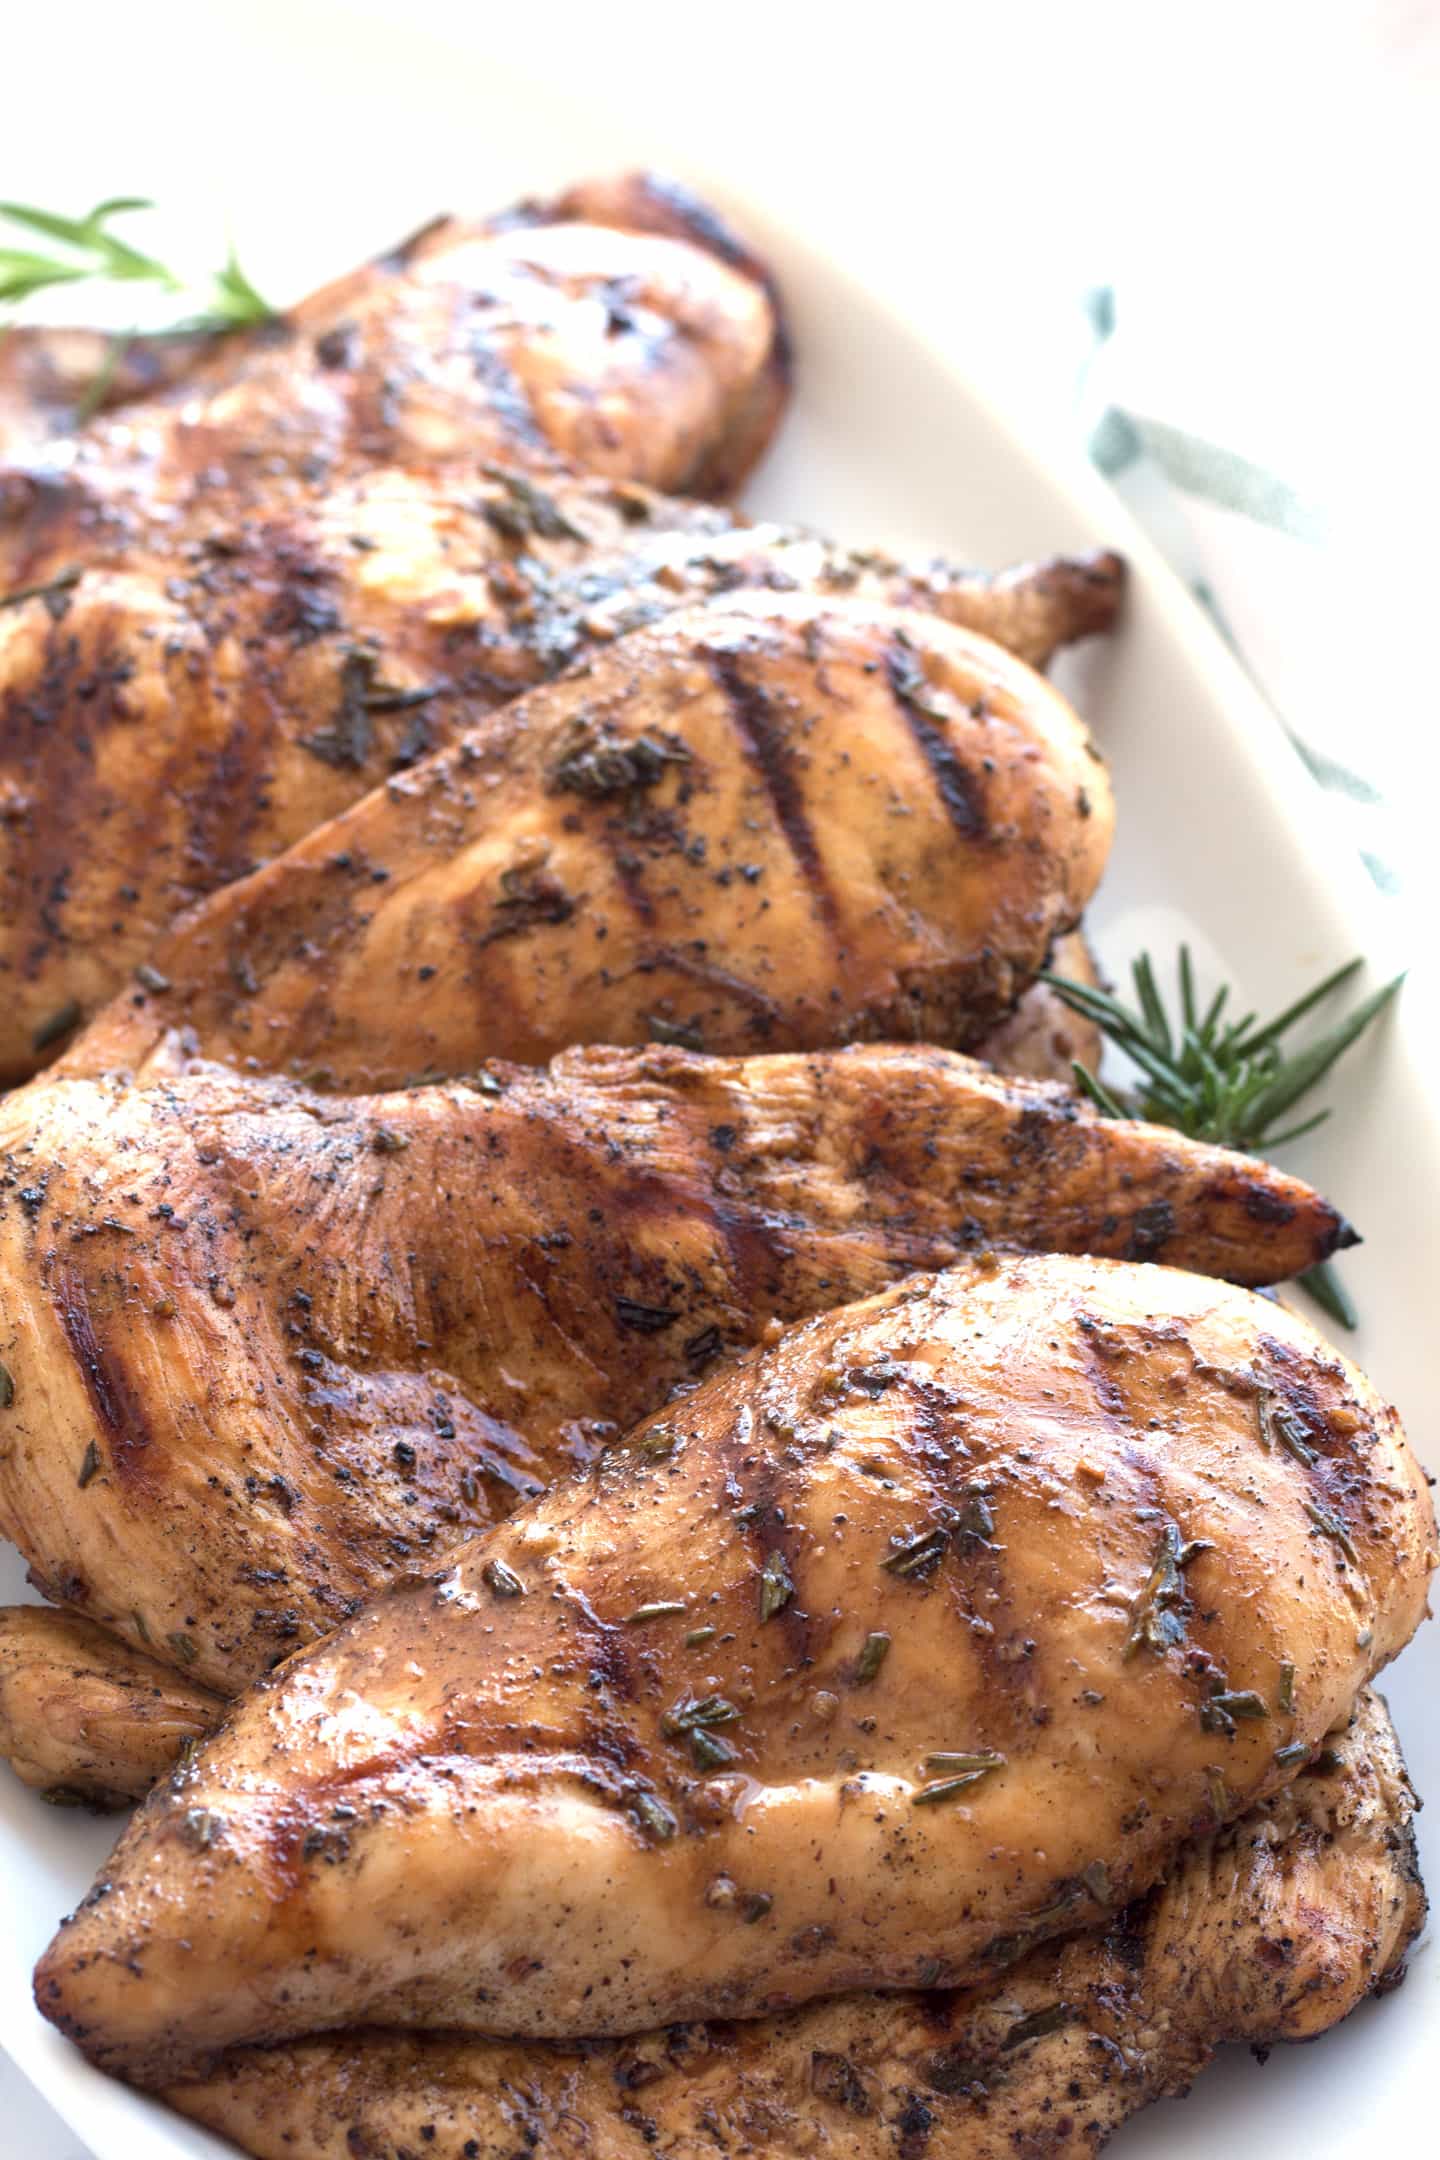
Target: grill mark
764 744
765 1009
955 784
974 1579
112 1398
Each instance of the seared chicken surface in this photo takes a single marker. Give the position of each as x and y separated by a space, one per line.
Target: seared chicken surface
267 1350
197 692
1271 1930
936 1630
84 1716
644 347
774 822
49 378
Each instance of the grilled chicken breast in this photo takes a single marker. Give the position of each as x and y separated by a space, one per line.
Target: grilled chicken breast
776 822
265 1350
935 1630
1270 1930
183 696
547 339
84 1716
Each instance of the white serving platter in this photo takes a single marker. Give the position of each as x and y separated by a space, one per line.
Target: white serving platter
1222 839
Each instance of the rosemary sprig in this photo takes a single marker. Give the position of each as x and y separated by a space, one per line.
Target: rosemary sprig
93 251
1218 1079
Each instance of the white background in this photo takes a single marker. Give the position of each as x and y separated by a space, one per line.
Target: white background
1258 181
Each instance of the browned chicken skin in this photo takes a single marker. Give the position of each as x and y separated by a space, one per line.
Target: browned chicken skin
1272 1930
1019 1577
209 687
50 377
774 822
267 1350
84 1716
545 339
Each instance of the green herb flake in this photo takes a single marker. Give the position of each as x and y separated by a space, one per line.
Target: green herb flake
386 1141
663 1609
873 1653
918 1556
776 1586
967 1771
1037 2025
653 1817
710 1751
1225 1705
184 1647
1295 1752
1330 1526
89 1465
7 1386
1156 1623
691 1715
755 1906
1285 1698
502 1580
699 1636
151 979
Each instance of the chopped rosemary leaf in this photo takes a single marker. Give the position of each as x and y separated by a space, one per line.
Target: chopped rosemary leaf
1295 1752
873 1653
1225 1705
976 1759
1285 1701
919 1556
89 1466
663 1609
710 1751
689 1715
1330 1526
776 1587
653 1817
1156 1623
698 1637
947 1789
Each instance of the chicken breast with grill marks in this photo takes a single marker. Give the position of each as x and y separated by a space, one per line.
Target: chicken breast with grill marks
1273 1929
266 1350
649 350
185 695
776 822
938 1629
